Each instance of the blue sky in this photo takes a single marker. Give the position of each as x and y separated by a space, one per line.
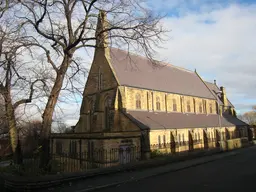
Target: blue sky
215 37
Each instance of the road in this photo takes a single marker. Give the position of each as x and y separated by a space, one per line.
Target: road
235 173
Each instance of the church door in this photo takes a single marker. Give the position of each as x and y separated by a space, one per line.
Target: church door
124 154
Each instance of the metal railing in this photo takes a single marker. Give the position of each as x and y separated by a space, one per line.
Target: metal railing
98 158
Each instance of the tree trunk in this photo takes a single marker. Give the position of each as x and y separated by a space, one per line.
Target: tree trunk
15 144
48 112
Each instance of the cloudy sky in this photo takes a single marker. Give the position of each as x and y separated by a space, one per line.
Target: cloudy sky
217 38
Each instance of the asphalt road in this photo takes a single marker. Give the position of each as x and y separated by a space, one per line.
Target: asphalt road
235 173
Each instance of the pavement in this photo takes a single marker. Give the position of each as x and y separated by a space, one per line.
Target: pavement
181 176
231 173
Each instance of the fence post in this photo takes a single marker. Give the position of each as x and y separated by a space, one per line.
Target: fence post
52 143
80 153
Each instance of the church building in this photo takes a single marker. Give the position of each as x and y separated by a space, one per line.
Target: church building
129 101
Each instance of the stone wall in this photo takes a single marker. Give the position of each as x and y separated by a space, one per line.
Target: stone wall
95 115
148 101
234 143
106 141
182 135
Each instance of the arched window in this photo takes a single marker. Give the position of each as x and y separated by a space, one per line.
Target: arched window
92 106
183 138
159 140
178 138
198 134
174 105
59 147
164 140
107 106
73 148
188 107
138 101
158 104
210 107
200 108
195 137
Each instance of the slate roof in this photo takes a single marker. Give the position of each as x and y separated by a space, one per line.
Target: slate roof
137 71
214 88
161 120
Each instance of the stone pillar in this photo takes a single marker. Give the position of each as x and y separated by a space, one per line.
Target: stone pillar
224 98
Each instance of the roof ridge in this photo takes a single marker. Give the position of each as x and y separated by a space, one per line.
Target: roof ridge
212 84
208 82
205 84
161 62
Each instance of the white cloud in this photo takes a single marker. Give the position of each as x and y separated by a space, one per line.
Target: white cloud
222 50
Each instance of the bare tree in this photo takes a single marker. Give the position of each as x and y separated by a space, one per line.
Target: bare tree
65 26
5 5
62 127
29 133
249 117
18 84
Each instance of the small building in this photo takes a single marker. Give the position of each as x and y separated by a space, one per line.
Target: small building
130 102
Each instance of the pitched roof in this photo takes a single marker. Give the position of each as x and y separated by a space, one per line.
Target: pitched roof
161 120
137 71
214 88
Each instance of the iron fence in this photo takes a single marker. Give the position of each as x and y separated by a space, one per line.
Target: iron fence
98 158
101 158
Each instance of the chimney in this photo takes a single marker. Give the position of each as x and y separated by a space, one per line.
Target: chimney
102 37
224 96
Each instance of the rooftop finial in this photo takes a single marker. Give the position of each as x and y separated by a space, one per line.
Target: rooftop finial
102 37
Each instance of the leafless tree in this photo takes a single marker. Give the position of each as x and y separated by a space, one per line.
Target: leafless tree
62 127
29 134
65 26
19 84
249 117
5 5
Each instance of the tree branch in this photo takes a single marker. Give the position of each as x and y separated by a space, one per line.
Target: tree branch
29 99
2 88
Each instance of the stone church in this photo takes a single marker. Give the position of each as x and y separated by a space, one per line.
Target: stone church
128 101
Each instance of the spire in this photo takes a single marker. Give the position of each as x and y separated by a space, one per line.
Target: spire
102 37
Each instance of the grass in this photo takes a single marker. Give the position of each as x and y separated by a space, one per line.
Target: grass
30 168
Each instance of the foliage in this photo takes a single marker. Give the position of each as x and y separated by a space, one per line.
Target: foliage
156 153
31 168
